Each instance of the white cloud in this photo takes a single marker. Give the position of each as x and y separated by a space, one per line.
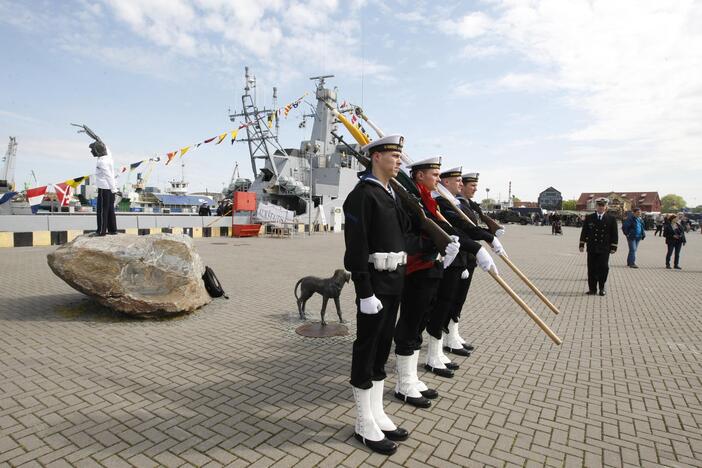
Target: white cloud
164 38
469 26
526 82
511 82
634 68
475 51
280 34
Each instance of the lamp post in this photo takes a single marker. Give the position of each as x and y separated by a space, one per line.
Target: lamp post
487 196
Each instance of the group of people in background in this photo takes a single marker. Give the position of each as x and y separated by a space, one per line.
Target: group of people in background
672 227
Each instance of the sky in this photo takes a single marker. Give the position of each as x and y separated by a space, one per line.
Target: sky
584 96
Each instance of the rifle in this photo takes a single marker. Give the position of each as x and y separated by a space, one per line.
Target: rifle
437 235
493 226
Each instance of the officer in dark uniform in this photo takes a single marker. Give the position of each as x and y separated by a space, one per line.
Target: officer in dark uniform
600 234
378 235
463 187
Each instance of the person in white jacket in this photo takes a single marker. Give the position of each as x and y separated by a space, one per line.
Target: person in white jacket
105 181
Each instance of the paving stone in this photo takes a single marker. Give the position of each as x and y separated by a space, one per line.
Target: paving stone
234 385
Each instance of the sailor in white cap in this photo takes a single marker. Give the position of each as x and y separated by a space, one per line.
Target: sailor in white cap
600 234
464 192
455 276
377 232
424 272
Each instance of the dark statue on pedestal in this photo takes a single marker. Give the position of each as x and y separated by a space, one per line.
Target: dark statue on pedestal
327 287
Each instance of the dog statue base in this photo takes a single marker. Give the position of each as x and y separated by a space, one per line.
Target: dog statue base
317 330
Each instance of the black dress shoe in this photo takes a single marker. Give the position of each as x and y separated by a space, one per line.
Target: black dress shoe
667 267
633 265
430 393
384 447
448 373
398 435
677 268
603 292
457 351
591 293
419 402
452 366
468 347
113 233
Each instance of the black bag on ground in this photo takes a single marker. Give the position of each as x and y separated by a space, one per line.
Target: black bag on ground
214 288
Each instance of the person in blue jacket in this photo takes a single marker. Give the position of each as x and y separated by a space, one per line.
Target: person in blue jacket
633 228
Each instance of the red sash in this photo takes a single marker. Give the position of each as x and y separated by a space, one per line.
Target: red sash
415 262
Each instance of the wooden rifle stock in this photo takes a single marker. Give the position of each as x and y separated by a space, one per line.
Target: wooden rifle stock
437 235
490 223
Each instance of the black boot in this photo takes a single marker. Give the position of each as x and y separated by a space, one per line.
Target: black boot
383 447
419 402
398 435
430 393
448 373
463 351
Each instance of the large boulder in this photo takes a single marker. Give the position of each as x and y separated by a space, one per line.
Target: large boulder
144 276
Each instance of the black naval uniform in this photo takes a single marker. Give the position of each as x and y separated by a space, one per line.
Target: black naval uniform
450 286
420 292
601 237
477 233
374 223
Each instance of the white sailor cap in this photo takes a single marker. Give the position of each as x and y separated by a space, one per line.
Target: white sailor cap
387 143
602 201
429 163
453 172
470 177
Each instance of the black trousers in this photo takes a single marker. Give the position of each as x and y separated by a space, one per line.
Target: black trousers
445 299
106 219
673 248
597 269
459 298
418 299
373 342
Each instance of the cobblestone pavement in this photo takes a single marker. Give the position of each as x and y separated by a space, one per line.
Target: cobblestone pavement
233 384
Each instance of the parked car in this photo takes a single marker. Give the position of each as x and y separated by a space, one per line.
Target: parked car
509 216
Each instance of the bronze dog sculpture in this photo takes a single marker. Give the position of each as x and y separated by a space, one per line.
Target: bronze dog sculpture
327 287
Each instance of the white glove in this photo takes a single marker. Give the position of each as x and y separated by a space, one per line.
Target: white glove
485 261
500 232
497 247
451 251
465 274
371 305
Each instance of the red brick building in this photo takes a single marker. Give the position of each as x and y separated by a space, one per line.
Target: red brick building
647 201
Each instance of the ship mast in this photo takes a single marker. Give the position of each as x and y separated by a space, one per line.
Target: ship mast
258 135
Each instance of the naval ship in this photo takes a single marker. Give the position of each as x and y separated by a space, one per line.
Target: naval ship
314 177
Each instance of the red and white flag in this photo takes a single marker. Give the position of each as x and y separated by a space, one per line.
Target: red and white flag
35 196
64 192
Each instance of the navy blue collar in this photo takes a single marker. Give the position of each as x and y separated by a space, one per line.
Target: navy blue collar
368 176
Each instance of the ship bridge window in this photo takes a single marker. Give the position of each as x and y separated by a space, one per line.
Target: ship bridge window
266 174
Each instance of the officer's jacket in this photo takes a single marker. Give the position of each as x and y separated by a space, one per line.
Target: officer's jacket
601 236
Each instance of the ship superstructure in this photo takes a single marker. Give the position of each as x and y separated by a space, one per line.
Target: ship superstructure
317 173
